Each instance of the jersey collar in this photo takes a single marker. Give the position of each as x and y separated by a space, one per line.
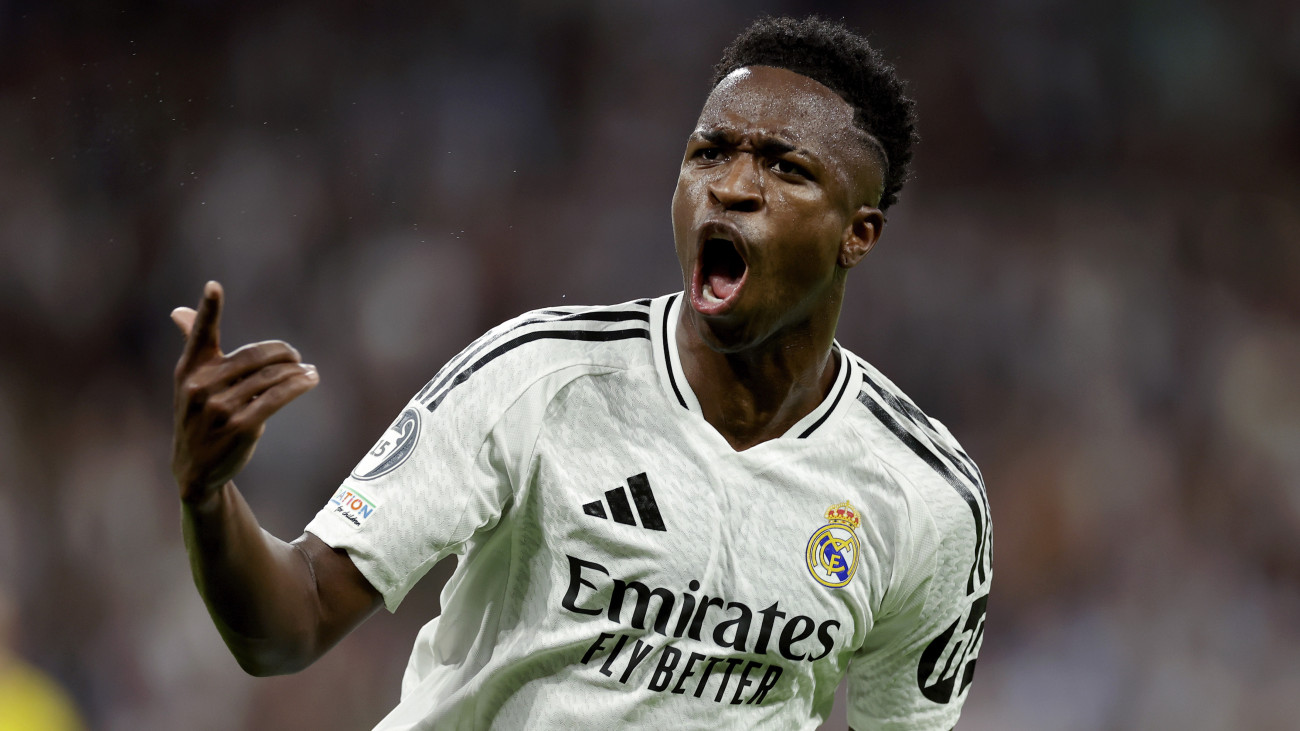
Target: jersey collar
664 312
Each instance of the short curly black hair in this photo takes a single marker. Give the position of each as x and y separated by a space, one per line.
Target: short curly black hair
844 62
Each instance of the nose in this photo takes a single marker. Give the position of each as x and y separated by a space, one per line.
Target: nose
737 186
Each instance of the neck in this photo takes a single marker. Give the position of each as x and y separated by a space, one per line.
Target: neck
757 394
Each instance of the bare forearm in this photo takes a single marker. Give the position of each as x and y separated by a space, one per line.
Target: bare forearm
278 605
260 590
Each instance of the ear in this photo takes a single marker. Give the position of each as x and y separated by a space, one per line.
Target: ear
862 233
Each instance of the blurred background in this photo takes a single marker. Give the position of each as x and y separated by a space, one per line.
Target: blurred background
1093 279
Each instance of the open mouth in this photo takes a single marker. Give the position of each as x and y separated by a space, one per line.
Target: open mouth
721 269
720 272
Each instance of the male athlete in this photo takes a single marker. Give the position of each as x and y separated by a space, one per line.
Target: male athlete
693 511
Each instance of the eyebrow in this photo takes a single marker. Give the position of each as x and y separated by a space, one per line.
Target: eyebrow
766 144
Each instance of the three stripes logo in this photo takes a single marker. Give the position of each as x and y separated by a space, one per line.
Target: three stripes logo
643 499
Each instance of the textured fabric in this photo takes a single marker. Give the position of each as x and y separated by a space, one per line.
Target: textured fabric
621 565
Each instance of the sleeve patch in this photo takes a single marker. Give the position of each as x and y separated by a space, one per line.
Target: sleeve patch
351 506
393 448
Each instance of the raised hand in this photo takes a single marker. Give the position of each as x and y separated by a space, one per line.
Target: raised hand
222 401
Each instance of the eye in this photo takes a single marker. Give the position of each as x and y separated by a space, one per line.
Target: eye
709 153
785 167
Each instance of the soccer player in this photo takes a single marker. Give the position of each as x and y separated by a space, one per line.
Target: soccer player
692 511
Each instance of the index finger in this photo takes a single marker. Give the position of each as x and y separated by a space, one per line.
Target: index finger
205 334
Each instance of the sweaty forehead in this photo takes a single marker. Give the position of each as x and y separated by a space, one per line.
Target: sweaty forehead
794 107
767 93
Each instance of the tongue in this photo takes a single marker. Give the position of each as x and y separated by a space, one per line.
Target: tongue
722 285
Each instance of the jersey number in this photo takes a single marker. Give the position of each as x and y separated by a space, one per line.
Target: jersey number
960 650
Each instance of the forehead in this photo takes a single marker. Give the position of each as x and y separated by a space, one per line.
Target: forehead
775 101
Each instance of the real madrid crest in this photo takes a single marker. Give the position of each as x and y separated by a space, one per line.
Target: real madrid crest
832 554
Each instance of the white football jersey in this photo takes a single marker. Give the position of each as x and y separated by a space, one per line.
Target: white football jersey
620 565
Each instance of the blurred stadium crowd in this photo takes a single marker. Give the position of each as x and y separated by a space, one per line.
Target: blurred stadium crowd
1093 279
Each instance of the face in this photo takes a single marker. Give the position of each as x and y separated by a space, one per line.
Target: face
775 201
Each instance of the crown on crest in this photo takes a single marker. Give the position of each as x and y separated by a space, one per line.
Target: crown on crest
843 513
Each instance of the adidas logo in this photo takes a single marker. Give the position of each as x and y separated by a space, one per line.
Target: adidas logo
621 510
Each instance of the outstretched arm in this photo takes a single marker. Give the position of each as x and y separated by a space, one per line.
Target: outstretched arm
277 605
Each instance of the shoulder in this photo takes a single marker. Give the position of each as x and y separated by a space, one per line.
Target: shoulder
529 348
888 405
901 432
941 483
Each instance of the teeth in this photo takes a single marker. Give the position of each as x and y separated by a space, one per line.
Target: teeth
708 293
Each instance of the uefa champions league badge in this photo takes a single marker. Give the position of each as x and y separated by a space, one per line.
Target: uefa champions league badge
393 448
832 554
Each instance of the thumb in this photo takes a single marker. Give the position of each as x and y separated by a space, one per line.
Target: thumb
184 319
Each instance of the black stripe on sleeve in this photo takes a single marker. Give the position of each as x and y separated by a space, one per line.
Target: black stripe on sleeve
668 358
907 408
581 335
917 417
455 364
966 458
465 357
603 316
961 461
933 460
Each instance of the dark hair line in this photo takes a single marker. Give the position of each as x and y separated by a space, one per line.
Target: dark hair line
842 60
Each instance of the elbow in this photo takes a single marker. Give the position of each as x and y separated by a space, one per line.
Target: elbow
263 659
265 667
256 667
267 671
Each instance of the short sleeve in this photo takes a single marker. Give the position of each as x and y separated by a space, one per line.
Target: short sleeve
915 668
444 471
